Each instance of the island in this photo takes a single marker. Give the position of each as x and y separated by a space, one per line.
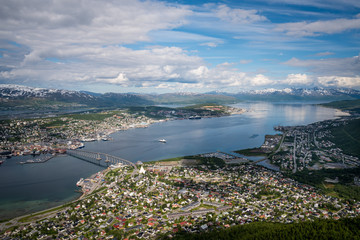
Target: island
70 131
215 194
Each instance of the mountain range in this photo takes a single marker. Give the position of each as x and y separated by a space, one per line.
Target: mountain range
297 94
23 97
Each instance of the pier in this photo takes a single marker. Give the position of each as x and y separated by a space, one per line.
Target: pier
39 160
101 159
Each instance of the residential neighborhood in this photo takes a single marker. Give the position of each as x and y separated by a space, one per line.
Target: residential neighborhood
56 134
312 147
146 204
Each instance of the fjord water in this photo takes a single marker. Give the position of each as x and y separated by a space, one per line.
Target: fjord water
32 187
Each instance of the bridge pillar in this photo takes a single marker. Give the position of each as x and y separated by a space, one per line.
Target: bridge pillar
98 158
107 161
94 157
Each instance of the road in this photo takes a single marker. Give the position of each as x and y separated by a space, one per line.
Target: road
294 156
276 151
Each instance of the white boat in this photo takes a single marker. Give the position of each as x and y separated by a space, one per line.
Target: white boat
162 140
80 182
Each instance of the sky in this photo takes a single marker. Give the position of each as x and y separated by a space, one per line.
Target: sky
180 46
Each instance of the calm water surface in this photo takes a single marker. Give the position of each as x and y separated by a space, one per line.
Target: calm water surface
33 187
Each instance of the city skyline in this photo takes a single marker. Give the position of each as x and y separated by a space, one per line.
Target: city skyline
170 46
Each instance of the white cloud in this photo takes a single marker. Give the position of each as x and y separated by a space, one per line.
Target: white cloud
172 36
200 72
324 54
238 16
83 42
302 29
337 81
95 22
260 80
328 4
329 66
120 79
244 61
298 79
157 67
210 44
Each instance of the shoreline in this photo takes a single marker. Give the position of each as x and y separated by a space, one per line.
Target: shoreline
84 194
79 142
48 212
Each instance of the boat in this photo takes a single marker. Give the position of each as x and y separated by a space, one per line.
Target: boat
1 162
194 117
106 138
162 140
80 182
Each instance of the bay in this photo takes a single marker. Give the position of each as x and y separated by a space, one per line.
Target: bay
32 187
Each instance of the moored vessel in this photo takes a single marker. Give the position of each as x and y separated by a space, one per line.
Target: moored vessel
80 182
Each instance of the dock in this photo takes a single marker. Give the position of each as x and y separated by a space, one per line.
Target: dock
38 160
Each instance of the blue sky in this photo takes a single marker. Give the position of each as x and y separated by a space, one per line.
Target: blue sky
187 46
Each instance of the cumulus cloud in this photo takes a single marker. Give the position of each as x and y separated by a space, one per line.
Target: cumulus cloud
330 72
120 79
157 67
88 42
91 21
84 30
83 43
338 81
260 80
298 79
329 66
302 29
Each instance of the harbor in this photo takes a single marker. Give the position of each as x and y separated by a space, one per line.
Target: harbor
41 159
54 182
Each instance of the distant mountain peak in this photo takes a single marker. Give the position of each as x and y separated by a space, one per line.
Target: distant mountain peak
315 93
19 91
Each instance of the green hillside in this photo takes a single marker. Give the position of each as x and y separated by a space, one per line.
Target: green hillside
318 229
348 105
348 137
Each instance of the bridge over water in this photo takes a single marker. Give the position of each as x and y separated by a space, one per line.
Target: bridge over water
102 159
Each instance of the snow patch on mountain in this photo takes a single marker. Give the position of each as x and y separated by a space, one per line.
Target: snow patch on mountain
16 91
302 91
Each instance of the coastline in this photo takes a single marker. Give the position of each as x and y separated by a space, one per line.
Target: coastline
103 132
84 195
48 212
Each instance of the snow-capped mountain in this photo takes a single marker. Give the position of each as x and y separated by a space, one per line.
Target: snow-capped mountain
303 91
11 91
298 94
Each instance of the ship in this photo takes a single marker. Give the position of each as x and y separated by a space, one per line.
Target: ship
80 182
162 140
